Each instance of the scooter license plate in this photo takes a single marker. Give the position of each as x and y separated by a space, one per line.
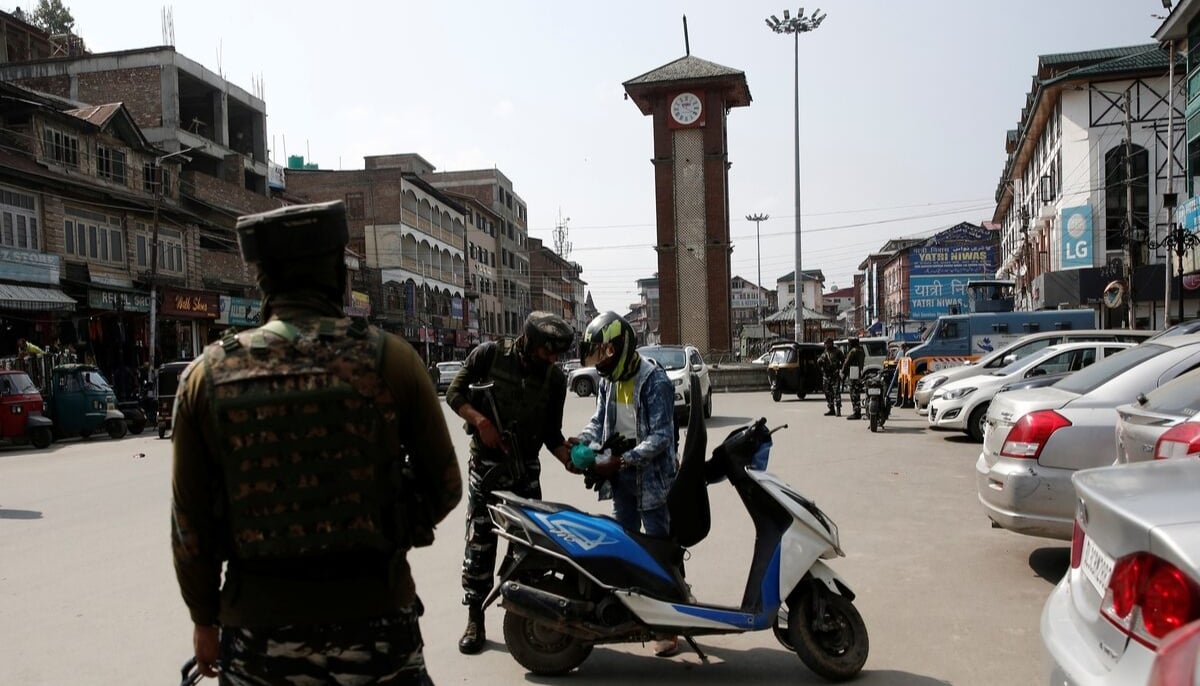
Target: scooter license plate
874 391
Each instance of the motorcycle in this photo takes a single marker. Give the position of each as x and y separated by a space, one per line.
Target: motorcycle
573 580
879 399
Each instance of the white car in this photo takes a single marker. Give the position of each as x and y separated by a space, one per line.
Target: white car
962 405
682 362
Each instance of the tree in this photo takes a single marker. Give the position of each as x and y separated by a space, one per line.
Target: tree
53 17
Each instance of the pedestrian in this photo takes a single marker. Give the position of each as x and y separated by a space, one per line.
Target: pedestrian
27 349
637 400
852 370
310 455
830 362
528 393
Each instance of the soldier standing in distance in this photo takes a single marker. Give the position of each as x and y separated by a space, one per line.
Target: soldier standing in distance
830 362
852 369
529 392
310 454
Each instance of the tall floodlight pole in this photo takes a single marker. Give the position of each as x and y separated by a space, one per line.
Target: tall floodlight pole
797 25
758 219
158 194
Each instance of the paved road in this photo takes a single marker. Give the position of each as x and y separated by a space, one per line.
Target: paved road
87 593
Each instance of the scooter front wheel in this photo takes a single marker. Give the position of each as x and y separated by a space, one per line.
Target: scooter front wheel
834 644
541 649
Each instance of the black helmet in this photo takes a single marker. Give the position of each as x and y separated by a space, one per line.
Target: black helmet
545 330
609 328
295 232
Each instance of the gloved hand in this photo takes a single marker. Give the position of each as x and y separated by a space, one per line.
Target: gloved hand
607 468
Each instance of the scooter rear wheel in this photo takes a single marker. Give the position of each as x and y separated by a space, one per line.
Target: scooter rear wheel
541 649
834 645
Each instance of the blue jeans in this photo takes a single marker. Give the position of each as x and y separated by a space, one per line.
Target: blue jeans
653 522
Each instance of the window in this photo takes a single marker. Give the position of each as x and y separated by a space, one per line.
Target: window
19 220
92 235
170 249
110 164
60 147
355 207
148 179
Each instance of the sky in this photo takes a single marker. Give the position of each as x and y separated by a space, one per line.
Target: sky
903 113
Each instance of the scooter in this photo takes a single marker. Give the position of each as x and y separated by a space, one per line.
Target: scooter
879 400
573 580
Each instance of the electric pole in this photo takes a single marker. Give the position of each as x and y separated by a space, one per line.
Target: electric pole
1130 231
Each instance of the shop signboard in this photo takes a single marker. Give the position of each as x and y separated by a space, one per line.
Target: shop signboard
237 311
121 301
28 266
360 304
1077 237
190 304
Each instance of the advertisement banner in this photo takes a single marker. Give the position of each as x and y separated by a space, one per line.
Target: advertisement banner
953 259
933 296
235 311
29 267
101 299
360 305
1077 237
456 308
190 304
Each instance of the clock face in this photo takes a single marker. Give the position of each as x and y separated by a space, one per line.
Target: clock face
686 108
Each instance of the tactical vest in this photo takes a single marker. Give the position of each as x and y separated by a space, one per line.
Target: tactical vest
299 408
522 400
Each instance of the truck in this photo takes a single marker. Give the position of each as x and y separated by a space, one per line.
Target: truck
955 339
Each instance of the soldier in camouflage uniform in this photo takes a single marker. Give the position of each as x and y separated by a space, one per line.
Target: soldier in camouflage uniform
310 454
830 363
852 370
529 391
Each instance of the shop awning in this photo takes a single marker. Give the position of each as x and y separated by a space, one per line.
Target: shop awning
32 298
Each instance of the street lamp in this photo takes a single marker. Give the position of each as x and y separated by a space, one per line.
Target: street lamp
158 177
1179 241
758 219
797 25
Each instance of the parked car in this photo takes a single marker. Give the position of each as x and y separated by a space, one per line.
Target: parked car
762 359
875 350
569 366
1022 347
1161 424
446 373
1181 329
682 362
1177 658
1036 439
1032 382
1134 577
962 405
584 381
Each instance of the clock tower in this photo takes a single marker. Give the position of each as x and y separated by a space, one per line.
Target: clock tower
689 100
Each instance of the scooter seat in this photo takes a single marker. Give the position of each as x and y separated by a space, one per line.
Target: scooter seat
545 506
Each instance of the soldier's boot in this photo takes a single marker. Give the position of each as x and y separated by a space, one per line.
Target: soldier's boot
839 410
475 634
830 412
856 415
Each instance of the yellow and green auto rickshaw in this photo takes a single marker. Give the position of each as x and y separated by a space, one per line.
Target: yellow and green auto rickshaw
792 368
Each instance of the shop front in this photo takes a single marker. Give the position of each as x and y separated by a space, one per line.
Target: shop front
186 322
31 304
238 313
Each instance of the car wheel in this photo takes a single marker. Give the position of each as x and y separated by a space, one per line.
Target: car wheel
975 422
708 405
584 387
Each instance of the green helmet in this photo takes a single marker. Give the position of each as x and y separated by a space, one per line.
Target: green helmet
610 329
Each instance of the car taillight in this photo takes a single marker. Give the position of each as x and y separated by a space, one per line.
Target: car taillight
1029 435
1076 545
1181 440
1165 597
1175 663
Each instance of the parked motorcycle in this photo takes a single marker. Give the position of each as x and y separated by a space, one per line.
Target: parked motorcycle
879 399
573 580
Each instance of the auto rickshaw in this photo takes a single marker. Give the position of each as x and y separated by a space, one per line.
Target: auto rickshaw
166 384
82 402
22 418
792 368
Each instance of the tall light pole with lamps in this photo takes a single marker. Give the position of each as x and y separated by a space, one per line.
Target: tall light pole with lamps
758 219
158 186
797 25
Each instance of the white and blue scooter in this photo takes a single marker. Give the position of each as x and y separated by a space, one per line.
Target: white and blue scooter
573 580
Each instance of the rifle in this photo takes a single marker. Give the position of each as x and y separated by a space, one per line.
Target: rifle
507 435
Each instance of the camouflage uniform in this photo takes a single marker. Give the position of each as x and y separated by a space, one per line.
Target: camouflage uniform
293 446
830 362
533 405
855 357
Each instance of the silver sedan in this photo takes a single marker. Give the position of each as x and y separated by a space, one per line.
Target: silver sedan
1157 425
1035 439
1134 577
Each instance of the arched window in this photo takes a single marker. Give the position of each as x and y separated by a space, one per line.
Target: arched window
1115 208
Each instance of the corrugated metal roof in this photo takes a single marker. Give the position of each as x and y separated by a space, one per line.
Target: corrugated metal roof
98 115
1153 57
1089 56
33 298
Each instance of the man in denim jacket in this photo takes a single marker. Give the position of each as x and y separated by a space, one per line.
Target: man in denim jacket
637 400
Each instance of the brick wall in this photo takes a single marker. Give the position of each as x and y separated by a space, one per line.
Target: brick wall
139 88
210 189
54 85
224 268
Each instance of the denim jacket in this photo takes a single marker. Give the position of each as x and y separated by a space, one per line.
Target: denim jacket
654 455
